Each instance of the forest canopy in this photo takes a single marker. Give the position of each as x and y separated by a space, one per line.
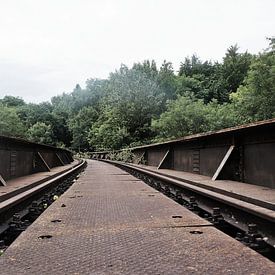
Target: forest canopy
144 103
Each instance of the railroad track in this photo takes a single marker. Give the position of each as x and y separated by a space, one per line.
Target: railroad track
251 224
19 209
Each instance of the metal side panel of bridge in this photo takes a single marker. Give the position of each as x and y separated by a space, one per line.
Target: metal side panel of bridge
245 154
19 157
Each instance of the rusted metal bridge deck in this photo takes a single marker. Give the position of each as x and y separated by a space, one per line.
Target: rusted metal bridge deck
109 222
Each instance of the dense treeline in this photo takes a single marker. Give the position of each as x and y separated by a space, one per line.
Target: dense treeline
145 103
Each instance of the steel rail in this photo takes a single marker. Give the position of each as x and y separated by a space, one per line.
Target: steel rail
22 196
18 210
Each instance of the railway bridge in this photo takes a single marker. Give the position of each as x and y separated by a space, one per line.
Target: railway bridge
201 204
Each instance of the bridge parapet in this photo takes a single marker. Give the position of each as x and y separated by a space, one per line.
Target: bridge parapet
244 153
19 157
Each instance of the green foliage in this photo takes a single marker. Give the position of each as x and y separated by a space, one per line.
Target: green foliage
10 123
45 112
219 116
40 133
255 100
147 67
130 102
80 125
11 101
108 132
194 66
164 77
188 84
90 96
138 105
188 115
124 155
184 116
235 67
32 113
167 80
208 81
60 128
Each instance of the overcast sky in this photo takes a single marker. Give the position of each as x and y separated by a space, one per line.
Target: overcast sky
47 47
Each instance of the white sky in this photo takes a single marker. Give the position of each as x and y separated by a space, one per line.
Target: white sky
47 47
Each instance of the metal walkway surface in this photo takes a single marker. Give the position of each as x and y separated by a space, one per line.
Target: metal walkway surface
109 222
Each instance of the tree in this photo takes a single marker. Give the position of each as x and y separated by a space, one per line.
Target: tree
188 84
80 125
235 67
219 116
136 100
32 113
203 79
40 133
10 123
136 105
11 101
95 92
147 67
214 80
108 132
60 128
255 100
184 116
166 80
194 66
188 115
